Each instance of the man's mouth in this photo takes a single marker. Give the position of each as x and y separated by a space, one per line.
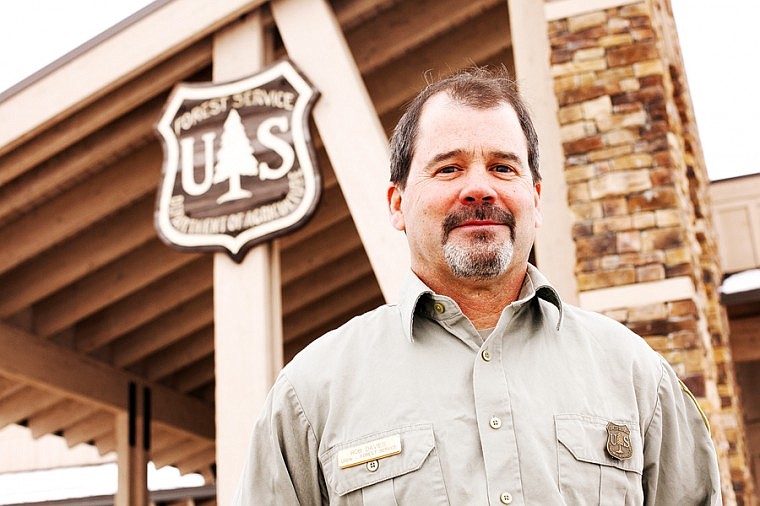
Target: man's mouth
478 216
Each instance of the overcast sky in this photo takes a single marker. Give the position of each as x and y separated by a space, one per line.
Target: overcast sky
718 41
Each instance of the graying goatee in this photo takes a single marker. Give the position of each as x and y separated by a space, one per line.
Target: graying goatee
482 258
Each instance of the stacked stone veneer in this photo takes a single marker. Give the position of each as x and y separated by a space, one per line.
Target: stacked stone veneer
637 189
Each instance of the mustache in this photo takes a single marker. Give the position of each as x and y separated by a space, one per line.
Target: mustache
478 212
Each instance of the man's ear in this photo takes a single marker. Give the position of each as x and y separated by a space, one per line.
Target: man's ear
537 204
394 207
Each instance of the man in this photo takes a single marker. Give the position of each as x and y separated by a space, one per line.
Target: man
480 386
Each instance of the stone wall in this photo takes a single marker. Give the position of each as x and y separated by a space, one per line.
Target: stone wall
637 188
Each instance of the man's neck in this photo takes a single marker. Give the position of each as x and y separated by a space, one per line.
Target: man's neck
482 301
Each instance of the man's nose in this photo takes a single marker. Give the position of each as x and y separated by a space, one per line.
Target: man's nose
477 188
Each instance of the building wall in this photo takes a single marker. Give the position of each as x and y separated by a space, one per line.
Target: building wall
46 452
736 211
637 188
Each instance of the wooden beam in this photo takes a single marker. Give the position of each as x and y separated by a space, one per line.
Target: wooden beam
339 302
8 387
469 44
162 438
207 393
64 413
179 355
129 313
87 429
87 252
106 443
25 403
165 330
332 209
327 247
63 216
352 12
745 339
408 25
333 276
193 376
61 171
99 115
119 279
203 458
314 40
29 359
177 451
296 343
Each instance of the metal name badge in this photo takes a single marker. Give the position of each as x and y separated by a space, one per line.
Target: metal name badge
373 450
619 441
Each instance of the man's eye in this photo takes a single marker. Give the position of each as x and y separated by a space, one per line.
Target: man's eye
447 170
503 168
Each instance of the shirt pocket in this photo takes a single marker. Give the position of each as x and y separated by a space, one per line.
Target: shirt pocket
412 476
588 474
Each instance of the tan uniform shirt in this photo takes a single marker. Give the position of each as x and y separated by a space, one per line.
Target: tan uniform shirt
409 405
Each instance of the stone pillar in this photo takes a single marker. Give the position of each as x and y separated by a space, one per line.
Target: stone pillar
637 189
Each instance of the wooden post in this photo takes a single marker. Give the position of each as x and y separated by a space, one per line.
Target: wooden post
247 308
132 447
349 128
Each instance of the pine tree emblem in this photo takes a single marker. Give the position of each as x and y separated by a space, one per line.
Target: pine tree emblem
234 159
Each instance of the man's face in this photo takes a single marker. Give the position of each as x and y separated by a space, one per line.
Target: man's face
470 208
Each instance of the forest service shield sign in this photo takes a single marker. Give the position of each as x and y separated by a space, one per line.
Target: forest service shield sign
239 167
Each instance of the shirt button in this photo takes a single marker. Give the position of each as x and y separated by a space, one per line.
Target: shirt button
439 308
505 498
372 466
495 422
486 355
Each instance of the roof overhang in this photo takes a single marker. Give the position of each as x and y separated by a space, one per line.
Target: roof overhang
160 30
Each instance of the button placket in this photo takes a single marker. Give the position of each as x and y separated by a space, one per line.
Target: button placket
493 412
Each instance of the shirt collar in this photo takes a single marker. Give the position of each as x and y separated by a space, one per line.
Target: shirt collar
414 291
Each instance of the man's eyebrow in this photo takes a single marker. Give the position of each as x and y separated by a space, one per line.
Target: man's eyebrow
440 157
458 153
512 157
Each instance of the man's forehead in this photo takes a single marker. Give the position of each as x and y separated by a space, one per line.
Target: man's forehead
444 121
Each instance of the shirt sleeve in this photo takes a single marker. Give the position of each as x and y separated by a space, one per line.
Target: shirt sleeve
282 465
680 464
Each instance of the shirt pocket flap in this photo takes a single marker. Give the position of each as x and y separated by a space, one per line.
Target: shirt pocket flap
585 437
417 442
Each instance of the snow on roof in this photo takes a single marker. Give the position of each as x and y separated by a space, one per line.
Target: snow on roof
744 281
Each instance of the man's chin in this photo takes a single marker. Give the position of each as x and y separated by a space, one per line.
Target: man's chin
478 261
475 243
